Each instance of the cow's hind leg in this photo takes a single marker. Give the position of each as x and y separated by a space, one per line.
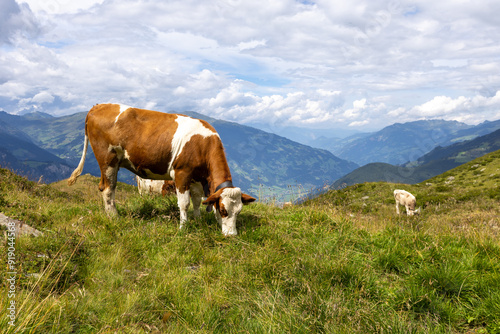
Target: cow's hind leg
108 186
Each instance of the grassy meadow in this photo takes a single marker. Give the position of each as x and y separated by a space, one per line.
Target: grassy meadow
341 263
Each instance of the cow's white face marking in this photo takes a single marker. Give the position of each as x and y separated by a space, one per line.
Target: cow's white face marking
187 127
231 200
123 107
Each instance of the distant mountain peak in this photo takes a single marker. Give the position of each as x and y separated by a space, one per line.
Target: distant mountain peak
37 115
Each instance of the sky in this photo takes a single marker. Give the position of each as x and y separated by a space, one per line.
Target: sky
358 64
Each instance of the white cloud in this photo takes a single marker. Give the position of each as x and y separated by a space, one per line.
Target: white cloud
231 98
61 6
440 106
16 21
43 97
357 107
359 123
488 68
449 62
251 45
311 108
465 109
324 63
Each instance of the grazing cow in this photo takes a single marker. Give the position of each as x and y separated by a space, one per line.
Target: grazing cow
162 146
403 197
169 187
162 187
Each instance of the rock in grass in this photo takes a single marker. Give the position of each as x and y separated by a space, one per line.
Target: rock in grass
20 226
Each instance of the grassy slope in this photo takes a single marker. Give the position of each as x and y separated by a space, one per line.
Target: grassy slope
343 263
431 164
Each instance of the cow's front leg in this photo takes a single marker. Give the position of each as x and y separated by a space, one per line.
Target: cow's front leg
397 208
183 203
196 195
182 184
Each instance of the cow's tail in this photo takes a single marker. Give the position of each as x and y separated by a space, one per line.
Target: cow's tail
76 173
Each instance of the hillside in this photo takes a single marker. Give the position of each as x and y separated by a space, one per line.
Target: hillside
453 155
375 172
62 136
342 263
261 163
473 180
438 161
19 153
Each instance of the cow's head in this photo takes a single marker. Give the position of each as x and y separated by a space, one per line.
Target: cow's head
413 211
228 203
417 211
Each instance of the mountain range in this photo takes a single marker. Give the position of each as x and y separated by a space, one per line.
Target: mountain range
401 143
260 162
437 161
264 163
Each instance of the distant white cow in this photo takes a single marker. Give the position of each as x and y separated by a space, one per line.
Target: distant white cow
165 187
403 197
162 187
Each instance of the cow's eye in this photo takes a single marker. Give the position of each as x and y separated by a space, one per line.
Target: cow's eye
223 212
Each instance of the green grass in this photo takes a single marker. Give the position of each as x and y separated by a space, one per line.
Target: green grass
343 263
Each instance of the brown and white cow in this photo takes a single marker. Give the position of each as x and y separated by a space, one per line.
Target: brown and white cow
163 187
403 197
162 146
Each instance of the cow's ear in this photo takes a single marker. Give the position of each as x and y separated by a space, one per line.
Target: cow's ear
212 199
247 198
